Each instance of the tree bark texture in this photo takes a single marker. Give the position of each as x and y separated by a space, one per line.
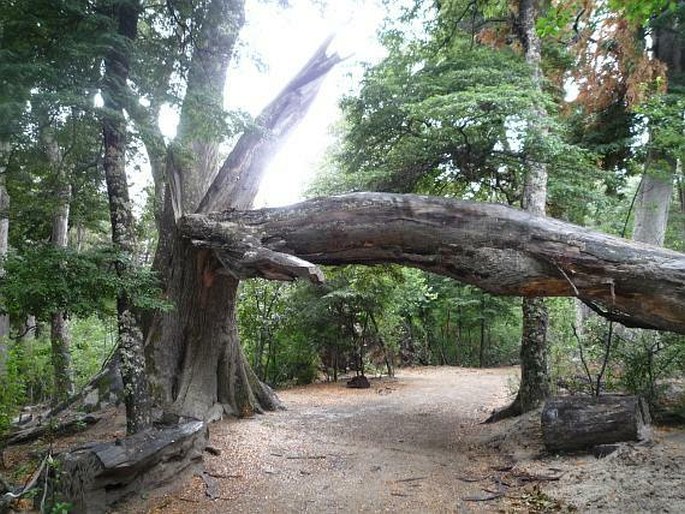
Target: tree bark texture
130 343
651 208
535 382
200 370
500 249
95 477
60 339
197 366
572 423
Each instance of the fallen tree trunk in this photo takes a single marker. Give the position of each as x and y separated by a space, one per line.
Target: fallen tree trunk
51 427
571 423
94 477
497 248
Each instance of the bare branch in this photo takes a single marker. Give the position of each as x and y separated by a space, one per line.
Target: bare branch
236 184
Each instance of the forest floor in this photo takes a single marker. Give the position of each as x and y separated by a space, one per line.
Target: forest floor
416 444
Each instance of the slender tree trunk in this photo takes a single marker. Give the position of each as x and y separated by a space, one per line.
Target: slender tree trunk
130 343
481 349
534 367
4 245
60 339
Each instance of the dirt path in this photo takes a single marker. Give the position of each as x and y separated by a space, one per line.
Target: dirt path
413 444
401 446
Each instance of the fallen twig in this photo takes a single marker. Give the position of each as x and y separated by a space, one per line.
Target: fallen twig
483 497
9 496
221 475
471 480
413 479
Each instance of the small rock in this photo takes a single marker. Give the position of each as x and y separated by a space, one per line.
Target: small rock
91 401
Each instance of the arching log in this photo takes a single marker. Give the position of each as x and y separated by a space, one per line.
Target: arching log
499 249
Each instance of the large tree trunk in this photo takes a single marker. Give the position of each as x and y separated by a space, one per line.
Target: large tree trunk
652 206
130 341
197 366
200 369
59 327
497 248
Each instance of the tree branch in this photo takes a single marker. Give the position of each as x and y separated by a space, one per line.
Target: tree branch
238 179
500 249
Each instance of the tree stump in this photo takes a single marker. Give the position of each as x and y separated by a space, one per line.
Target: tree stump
572 423
94 477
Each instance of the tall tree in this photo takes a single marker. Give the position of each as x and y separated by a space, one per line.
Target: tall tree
59 329
194 360
4 239
115 91
535 382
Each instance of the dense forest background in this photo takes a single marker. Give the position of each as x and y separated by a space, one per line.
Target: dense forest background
448 112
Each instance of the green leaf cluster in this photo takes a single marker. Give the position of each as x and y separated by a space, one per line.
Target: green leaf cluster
44 279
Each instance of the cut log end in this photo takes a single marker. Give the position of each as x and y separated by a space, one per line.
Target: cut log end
577 423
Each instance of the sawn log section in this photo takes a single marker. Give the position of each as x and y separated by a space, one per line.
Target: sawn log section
500 249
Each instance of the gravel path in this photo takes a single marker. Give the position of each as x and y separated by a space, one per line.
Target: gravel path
401 446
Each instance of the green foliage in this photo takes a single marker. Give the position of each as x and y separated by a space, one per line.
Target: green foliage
12 392
45 279
640 11
650 361
664 114
372 318
424 121
93 339
468 327
29 372
449 115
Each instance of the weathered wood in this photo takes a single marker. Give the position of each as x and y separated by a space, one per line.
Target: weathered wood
497 248
571 423
96 476
239 177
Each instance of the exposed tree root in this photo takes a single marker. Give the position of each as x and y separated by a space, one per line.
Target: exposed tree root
510 411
